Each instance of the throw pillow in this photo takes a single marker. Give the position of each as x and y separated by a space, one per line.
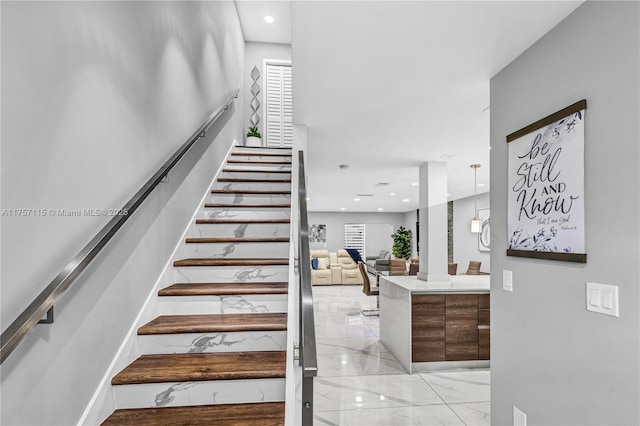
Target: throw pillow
322 263
314 263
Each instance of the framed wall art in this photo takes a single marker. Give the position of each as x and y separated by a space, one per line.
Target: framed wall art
545 202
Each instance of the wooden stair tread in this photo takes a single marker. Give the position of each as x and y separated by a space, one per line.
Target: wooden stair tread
246 206
255 171
252 191
261 154
231 262
223 289
218 221
258 414
203 366
238 240
279 163
210 323
253 180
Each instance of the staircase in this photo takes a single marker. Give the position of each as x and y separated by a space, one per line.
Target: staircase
216 353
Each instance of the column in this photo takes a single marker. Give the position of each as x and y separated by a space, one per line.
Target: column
433 222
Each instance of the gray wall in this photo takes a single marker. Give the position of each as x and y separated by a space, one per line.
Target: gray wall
465 244
558 363
335 226
255 54
95 97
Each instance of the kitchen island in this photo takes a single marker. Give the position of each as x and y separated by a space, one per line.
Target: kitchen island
430 325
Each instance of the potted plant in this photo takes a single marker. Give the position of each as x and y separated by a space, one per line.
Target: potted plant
254 138
402 243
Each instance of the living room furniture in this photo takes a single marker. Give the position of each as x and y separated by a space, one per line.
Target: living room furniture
350 274
430 325
378 263
366 289
474 268
453 268
397 266
414 268
329 268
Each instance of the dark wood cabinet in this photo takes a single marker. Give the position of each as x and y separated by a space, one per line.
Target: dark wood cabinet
451 327
428 330
461 339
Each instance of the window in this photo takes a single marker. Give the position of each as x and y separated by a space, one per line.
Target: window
354 237
279 101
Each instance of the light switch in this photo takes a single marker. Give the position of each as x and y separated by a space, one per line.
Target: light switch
507 280
603 298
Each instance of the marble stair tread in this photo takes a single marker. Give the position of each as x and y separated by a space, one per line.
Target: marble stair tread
202 367
174 324
258 414
252 191
231 262
224 289
246 206
252 180
239 221
258 162
213 240
228 170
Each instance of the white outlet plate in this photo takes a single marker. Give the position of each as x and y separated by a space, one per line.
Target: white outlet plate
603 298
507 280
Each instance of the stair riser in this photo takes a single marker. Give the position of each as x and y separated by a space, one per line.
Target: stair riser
237 304
217 274
245 341
239 230
258 186
252 175
250 198
257 166
175 394
221 213
235 250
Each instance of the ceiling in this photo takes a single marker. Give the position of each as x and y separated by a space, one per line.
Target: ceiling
385 86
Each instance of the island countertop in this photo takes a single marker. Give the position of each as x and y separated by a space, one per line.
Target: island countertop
458 284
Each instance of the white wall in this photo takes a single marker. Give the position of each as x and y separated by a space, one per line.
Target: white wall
555 361
95 97
255 54
335 227
465 244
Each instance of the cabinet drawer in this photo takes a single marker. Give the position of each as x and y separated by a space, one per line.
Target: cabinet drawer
484 344
462 351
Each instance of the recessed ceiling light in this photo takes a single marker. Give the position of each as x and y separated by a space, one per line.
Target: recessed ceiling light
308 199
392 194
406 200
380 209
448 195
489 146
414 184
268 19
356 199
342 208
480 185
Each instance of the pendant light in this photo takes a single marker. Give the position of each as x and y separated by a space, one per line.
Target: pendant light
475 222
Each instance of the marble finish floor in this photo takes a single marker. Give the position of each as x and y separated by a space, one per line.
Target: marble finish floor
360 383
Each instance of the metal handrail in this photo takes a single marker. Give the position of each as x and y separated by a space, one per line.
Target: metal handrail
43 304
308 355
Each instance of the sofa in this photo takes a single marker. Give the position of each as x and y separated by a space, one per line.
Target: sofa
378 263
334 268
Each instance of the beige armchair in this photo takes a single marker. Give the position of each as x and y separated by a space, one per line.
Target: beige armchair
349 269
328 271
